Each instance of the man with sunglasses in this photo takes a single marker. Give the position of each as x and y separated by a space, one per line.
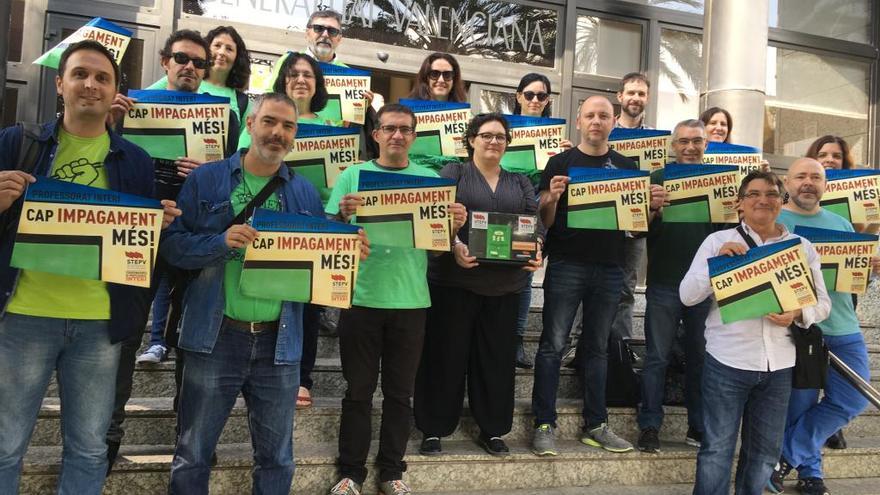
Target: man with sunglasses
185 58
386 322
748 370
323 35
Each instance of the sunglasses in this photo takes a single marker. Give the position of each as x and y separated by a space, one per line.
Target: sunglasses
531 95
183 59
320 29
436 74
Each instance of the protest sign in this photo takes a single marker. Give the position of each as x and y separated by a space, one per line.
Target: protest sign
746 158
649 148
115 38
845 257
346 88
701 193
301 258
87 232
502 237
608 199
533 141
440 127
773 278
405 210
320 153
853 194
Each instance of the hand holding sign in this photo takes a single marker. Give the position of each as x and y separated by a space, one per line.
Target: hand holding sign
459 215
239 236
536 263
348 205
557 187
365 244
170 212
120 107
733 249
463 257
784 319
185 165
12 185
658 197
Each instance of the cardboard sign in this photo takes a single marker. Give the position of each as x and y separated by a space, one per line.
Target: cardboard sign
846 257
301 258
773 278
853 194
346 87
173 124
440 127
533 141
746 158
320 152
87 232
649 148
407 211
502 237
608 199
701 193
115 38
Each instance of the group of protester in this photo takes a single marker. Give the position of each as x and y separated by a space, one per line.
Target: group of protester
431 324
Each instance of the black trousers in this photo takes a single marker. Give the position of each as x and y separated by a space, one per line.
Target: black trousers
473 336
368 336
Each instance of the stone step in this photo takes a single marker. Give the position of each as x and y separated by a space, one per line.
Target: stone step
462 467
151 421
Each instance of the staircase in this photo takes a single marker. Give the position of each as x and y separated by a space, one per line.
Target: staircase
464 468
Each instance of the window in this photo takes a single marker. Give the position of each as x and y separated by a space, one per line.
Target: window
16 29
607 48
688 6
810 95
497 101
848 20
681 71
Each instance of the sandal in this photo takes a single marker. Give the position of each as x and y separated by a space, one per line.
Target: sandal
303 398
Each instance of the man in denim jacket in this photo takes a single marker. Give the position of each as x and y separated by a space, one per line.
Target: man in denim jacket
234 343
57 323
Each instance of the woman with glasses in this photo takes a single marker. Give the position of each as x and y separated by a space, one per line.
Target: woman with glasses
469 329
719 124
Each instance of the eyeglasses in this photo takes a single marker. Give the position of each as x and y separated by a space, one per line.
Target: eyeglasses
686 141
390 130
183 59
436 74
531 95
491 138
771 195
320 29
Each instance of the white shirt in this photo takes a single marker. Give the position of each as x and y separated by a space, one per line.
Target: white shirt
756 344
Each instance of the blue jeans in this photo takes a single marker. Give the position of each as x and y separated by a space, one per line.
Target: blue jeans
525 303
566 285
758 399
811 421
663 313
31 348
633 254
240 362
161 305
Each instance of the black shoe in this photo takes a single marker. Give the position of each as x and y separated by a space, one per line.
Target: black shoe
522 359
776 484
430 446
836 441
494 445
694 437
112 454
649 441
812 486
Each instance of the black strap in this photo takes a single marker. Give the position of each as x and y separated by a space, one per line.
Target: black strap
242 100
256 201
29 149
746 237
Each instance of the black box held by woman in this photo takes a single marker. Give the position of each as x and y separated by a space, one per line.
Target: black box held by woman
502 237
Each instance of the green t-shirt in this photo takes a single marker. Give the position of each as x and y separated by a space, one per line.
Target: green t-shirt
81 161
390 277
239 306
842 320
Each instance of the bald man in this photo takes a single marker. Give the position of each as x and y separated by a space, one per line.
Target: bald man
810 421
585 267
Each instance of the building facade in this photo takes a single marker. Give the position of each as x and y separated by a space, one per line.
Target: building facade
822 72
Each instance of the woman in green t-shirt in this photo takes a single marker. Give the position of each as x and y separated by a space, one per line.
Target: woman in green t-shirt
301 79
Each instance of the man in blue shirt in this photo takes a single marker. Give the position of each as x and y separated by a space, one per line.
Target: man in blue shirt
810 420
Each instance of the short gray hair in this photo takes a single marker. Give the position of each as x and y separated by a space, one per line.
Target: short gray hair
691 123
326 14
279 97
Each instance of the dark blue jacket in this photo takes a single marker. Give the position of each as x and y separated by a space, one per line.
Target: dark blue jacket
129 170
197 240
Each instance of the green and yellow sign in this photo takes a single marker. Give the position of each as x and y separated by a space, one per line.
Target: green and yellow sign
608 199
845 257
533 141
649 148
853 194
440 127
347 89
701 193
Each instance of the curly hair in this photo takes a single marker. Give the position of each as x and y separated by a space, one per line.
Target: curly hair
319 101
478 121
422 89
240 74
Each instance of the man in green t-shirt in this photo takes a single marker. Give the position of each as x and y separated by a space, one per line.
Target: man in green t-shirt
53 324
386 322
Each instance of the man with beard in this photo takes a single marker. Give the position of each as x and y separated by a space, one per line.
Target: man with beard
234 343
633 98
810 420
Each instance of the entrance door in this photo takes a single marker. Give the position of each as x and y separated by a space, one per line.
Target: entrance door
138 65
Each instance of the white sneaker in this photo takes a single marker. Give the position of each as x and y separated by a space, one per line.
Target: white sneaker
346 486
155 354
